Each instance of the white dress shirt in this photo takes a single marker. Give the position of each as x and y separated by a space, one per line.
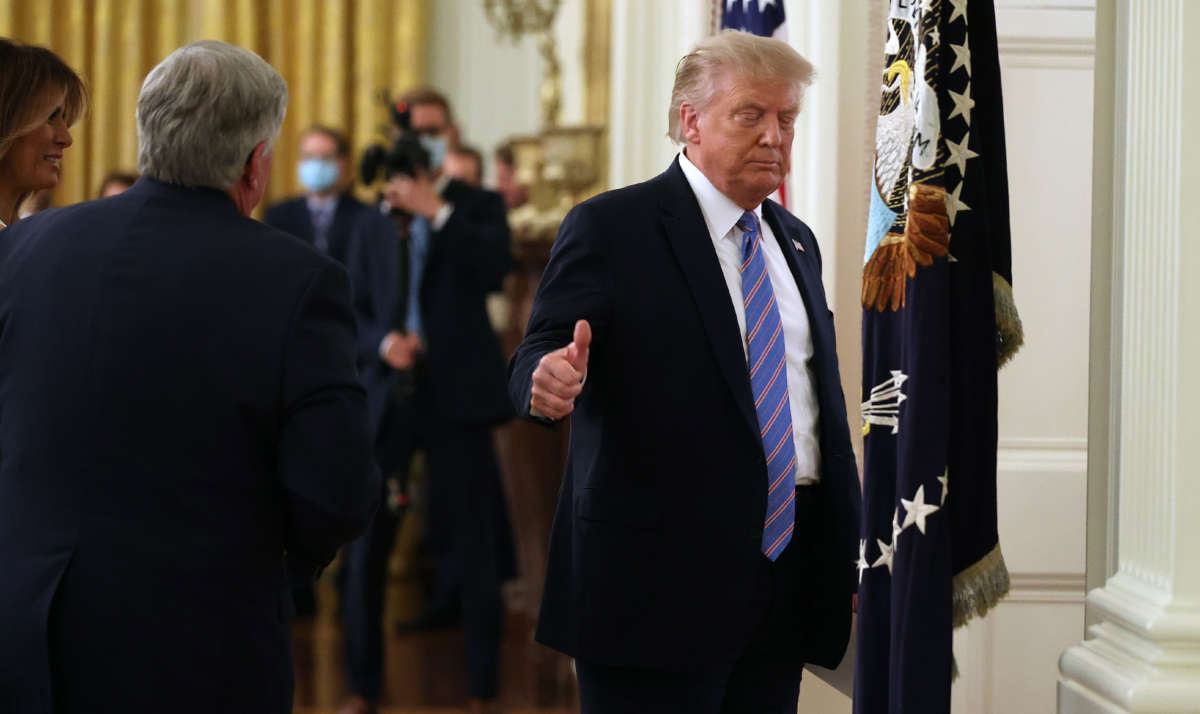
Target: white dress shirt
721 215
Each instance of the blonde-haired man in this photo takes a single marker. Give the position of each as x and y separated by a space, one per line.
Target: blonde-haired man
705 537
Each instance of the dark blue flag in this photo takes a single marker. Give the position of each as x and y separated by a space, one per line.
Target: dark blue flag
938 320
758 17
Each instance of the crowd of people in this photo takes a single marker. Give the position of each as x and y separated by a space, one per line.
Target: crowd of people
199 410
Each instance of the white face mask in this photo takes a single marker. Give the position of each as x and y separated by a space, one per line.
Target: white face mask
436 146
317 174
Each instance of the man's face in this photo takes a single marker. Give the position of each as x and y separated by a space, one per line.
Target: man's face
515 194
320 146
742 141
429 119
463 167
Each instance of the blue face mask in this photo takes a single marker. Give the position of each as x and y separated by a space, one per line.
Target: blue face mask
317 174
436 146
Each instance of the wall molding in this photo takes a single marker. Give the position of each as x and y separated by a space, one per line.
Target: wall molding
1055 37
1049 454
1065 588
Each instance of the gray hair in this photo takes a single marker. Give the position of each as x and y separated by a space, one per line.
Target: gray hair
202 111
743 54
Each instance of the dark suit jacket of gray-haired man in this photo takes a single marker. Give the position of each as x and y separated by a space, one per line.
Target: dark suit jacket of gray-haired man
703 546
179 408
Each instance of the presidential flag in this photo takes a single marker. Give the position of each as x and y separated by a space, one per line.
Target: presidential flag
758 17
938 320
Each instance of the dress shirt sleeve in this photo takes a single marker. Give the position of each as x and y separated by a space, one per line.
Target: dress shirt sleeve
443 215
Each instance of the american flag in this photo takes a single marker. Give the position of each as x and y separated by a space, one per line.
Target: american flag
758 17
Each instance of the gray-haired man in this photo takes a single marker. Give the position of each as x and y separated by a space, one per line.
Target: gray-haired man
180 409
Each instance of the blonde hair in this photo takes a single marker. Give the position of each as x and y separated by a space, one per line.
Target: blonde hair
743 54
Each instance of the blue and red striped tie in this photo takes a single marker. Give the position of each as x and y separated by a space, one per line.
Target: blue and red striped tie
768 378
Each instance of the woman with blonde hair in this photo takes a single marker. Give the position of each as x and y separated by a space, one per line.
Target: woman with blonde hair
40 97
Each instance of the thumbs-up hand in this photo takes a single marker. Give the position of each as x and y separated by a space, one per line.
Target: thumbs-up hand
558 378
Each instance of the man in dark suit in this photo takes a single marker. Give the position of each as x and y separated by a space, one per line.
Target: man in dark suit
178 409
363 240
457 252
704 542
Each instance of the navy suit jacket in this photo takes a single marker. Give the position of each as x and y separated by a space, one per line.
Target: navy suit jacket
366 243
178 409
467 259
656 540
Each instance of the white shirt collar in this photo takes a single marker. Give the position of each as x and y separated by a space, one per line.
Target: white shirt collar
721 214
320 204
440 183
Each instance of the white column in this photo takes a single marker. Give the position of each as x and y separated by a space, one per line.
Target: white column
648 38
1143 655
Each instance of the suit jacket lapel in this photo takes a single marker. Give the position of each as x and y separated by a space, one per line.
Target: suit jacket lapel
808 278
452 193
305 229
689 239
338 227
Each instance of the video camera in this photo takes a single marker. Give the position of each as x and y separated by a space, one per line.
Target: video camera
405 156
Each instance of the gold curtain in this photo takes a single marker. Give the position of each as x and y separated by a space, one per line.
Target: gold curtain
336 56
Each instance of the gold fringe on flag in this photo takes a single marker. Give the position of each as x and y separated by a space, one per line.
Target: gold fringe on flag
1010 335
979 587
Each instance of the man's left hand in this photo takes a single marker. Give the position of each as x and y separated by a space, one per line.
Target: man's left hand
413 195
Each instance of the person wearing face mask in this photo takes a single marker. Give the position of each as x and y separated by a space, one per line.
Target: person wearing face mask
40 97
326 214
457 253
335 223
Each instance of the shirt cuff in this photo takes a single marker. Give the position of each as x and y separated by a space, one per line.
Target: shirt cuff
386 344
443 215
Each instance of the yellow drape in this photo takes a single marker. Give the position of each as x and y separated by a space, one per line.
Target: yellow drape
336 56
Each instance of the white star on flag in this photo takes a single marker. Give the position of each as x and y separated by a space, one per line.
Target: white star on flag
962 56
917 509
885 556
959 153
896 527
960 10
945 479
954 203
862 559
963 104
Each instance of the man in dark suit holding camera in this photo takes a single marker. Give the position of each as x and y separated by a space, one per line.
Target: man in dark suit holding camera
457 252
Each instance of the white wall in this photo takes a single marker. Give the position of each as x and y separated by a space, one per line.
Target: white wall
648 40
1008 661
493 82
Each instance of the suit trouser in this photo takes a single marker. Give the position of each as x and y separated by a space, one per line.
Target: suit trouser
764 678
467 531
